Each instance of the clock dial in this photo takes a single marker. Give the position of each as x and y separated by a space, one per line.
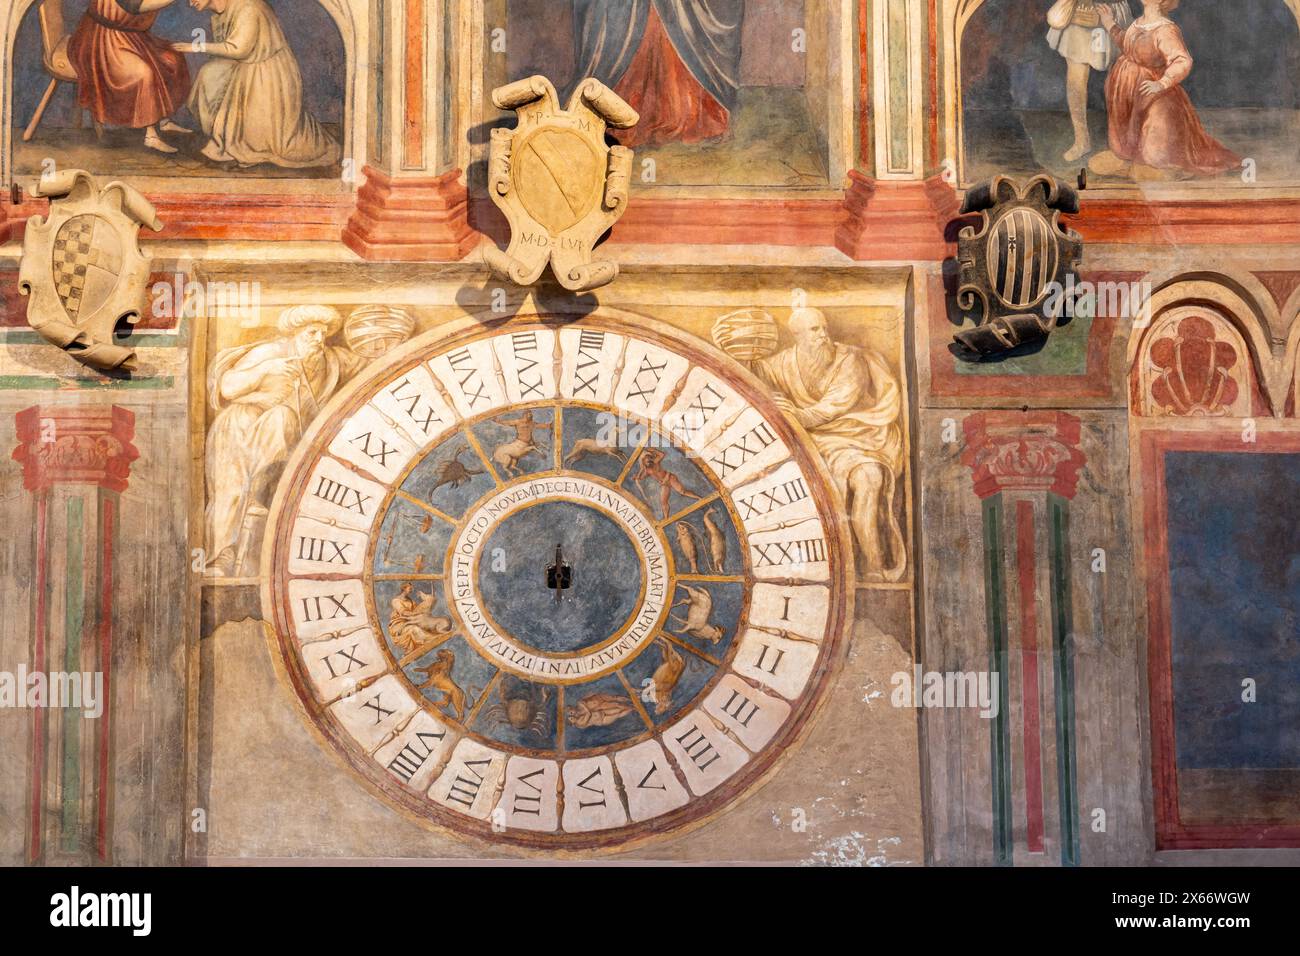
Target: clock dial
560 586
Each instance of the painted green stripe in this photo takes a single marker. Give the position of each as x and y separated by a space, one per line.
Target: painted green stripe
995 609
140 340
899 81
1063 676
13 383
74 596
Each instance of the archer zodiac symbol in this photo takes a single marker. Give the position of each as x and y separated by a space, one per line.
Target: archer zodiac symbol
506 456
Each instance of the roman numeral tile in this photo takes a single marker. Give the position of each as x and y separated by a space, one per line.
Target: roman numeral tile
469 374
745 449
703 409
782 497
415 403
753 716
337 495
591 799
530 798
706 756
317 547
337 666
370 441
469 783
376 712
590 358
800 609
649 376
527 360
782 664
417 751
325 608
648 780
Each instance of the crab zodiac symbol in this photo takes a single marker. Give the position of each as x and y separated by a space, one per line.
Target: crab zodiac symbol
558 183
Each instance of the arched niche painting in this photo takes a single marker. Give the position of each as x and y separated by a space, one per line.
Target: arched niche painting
731 93
188 88
1035 98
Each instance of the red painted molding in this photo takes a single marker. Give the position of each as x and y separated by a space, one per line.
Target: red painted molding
251 216
897 221
13 219
1240 222
40 632
864 85
779 222
103 784
1171 832
316 218
423 219
430 218
1023 451
75 444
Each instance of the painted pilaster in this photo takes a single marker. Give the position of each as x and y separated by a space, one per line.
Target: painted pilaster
897 207
76 462
413 204
1025 468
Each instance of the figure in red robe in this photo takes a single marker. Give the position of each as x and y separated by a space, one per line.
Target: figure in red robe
125 75
1154 129
676 62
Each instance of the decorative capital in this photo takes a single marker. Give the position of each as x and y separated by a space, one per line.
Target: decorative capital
75 445
1023 451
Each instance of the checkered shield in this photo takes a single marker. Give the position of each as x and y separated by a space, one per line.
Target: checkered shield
87 264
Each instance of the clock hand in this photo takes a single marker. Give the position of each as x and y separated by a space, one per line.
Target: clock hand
559 575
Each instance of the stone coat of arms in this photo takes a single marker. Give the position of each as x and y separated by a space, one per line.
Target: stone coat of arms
82 267
559 184
1013 261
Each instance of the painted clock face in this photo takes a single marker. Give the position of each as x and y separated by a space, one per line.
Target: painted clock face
557 585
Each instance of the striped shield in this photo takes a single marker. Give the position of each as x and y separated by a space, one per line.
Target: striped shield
1022 257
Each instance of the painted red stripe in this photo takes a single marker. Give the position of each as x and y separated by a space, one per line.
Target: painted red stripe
933 39
413 130
38 666
864 89
105 664
1026 562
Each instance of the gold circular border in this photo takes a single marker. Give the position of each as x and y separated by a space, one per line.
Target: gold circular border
619 632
